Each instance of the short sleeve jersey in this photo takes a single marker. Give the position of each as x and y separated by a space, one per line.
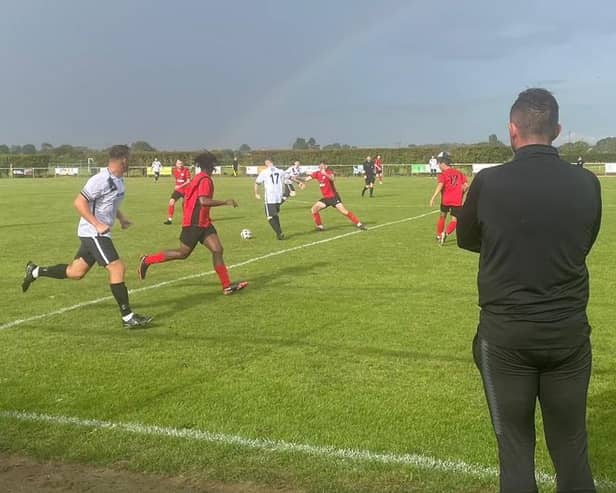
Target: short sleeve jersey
453 187
272 180
369 169
292 171
328 189
104 193
156 166
182 176
378 165
194 213
433 163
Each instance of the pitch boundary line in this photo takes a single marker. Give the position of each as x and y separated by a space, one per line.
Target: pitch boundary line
324 452
15 323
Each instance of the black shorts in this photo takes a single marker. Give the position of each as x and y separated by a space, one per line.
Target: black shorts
452 209
369 179
177 195
191 235
331 202
378 171
97 249
156 174
272 210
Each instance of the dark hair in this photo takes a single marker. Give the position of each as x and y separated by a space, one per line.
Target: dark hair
119 152
535 112
206 161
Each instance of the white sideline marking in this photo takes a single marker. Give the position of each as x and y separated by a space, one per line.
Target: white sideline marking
14 323
414 460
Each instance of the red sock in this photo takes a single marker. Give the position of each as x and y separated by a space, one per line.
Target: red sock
451 227
170 211
316 217
440 226
223 275
353 218
156 258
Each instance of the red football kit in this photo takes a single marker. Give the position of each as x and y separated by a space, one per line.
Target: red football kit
182 176
453 187
194 213
378 165
328 189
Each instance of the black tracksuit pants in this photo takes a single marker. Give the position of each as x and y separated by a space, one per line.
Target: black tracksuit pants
513 379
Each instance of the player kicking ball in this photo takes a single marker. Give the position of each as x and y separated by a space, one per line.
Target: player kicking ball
197 226
329 197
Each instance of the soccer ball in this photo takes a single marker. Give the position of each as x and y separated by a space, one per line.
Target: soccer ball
246 234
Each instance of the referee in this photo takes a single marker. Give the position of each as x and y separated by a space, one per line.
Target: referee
533 338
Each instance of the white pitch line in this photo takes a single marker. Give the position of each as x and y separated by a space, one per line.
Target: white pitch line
15 323
324 452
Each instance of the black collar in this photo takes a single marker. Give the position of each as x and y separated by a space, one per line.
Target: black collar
534 149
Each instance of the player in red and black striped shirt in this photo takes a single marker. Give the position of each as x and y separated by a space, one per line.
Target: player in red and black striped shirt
330 197
197 225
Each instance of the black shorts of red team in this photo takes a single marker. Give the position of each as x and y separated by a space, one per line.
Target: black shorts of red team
99 249
272 210
331 201
452 209
191 235
177 195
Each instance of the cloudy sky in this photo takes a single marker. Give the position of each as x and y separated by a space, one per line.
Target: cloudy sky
189 74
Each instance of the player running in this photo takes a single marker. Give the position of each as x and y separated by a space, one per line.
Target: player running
156 167
292 174
98 206
369 176
273 181
330 197
378 168
452 185
197 226
181 174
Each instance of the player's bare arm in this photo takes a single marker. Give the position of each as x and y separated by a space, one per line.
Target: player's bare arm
208 202
256 189
83 208
438 190
124 221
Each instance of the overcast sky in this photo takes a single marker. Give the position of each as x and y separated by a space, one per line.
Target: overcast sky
189 74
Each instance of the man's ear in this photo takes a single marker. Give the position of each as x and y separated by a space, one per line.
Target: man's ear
558 129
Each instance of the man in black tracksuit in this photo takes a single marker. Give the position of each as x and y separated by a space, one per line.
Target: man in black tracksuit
369 176
533 221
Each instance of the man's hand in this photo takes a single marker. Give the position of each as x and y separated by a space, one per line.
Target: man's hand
302 185
257 196
125 223
231 202
102 228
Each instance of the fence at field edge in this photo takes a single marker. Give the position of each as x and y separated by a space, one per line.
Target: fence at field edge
411 169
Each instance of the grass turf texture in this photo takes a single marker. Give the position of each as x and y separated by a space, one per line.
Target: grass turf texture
359 343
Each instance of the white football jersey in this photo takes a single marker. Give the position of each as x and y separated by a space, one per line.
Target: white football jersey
292 171
272 180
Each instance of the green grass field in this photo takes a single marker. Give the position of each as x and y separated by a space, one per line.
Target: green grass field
345 366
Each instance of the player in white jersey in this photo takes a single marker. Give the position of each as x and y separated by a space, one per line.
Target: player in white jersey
273 180
156 167
98 204
293 174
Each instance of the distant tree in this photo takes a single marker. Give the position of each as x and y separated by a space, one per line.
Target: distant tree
244 148
312 143
493 140
346 146
300 143
605 145
28 149
335 145
141 146
15 149
4 149
571 148
46 147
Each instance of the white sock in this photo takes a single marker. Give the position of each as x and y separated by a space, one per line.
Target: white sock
35 272
126 318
